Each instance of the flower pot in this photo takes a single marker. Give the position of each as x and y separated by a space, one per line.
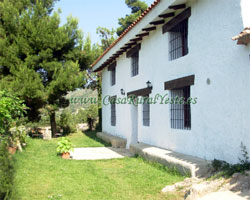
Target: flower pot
66 155
12 150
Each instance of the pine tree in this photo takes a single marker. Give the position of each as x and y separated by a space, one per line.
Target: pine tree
137 8
39 59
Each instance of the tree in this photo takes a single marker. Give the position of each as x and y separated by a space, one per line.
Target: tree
137 8
92 115
107 37
40 60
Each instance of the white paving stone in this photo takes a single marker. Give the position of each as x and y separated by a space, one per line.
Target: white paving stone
99 153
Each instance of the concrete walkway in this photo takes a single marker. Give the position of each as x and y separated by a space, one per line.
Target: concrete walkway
185 164
99 153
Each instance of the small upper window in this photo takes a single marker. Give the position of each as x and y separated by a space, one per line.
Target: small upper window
113 73
135 64
112 69
178 40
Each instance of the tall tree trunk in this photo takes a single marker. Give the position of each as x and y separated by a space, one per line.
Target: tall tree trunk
53 123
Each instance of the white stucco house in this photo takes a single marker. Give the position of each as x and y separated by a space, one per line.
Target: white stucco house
182 48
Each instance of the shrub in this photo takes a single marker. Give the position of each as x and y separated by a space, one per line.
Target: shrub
6 172
229 169
64 145
92 115
11 110
67 122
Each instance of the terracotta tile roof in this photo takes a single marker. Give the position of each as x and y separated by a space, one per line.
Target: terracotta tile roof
127 30
243 37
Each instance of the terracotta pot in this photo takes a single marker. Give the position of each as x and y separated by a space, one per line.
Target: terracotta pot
66 155
12 150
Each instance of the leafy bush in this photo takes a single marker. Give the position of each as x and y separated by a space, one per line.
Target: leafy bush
18 137
81 116
64 145
92 115
6 172
67 122
11 110
229 169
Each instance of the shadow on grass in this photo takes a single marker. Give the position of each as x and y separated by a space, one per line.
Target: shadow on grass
92 135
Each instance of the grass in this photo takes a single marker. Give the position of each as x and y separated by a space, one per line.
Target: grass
41 174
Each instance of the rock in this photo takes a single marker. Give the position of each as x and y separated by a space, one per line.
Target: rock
201 189
236 175
181 185
170 188
247 173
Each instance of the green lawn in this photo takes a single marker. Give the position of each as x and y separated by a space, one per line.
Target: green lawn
41 174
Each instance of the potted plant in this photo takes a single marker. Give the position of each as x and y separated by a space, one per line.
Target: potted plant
64 146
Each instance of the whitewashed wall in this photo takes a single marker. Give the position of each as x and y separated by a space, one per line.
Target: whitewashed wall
220 119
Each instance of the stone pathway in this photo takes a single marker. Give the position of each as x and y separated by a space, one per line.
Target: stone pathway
99 153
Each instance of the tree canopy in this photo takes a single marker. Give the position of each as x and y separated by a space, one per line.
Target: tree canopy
39 59
137 8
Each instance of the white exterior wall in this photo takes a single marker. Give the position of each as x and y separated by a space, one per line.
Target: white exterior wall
220 119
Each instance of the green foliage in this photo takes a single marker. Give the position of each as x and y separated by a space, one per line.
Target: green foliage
137 8
64 145
107 37
38 55
81 116
92 111
11 110
92 115
6 172
18 136
227 169
67 122
136 5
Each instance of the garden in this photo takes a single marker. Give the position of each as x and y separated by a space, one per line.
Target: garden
33 168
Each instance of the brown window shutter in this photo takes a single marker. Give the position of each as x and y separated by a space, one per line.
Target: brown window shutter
179 83
112 66
176 20
140 92
133 50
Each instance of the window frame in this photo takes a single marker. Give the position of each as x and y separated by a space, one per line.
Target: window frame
180 114
146 111
135 64
113 76
179 84
113 111
178 40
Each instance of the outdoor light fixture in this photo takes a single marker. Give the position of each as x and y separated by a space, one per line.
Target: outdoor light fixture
149 84
122 92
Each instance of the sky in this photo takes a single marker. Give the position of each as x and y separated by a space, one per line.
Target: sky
94 13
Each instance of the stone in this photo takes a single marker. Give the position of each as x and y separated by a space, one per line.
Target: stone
185 164
201 189
169 188
115 141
